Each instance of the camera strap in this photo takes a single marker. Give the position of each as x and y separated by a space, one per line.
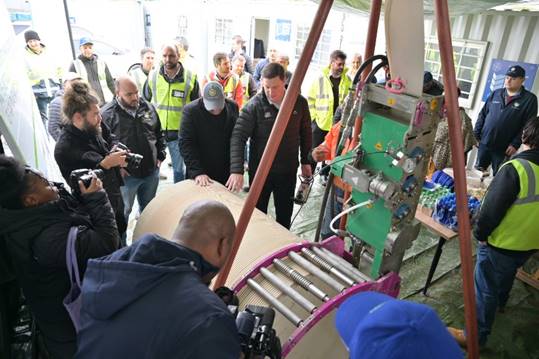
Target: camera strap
73 300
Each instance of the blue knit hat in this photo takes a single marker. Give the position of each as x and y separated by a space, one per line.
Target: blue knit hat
376 326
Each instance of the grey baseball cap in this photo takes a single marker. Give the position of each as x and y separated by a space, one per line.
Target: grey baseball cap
213 96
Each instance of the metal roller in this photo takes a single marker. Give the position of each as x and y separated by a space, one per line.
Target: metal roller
345 269
300 279
328 267
346 264
289 291
313 269
275 303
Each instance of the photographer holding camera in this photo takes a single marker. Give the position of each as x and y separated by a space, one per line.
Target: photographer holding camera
86 142
151 299
35 218
134 122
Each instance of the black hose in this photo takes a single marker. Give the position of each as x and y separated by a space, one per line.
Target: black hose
329 188
374 71
365 64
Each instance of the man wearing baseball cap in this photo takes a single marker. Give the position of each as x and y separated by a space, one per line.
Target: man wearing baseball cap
94 71
207 125
498 128
376 326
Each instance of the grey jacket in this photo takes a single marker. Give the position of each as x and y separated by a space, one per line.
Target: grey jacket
55 115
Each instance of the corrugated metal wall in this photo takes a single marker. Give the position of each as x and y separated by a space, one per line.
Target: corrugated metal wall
511 36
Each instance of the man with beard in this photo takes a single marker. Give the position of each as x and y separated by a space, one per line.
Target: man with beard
326 94
224 75
86 143
169 89
134 123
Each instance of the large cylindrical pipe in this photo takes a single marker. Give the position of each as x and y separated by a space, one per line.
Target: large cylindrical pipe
276 134
459 172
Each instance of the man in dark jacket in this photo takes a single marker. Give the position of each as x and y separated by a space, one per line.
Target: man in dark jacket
135 123
498 128
205 135
86 143
256 122
506 231
35 218
94 71
151 300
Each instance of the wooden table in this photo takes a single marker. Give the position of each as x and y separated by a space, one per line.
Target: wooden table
529 278
440 230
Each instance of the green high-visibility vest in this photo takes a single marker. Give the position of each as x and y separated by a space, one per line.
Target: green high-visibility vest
320 98
519 230
170 98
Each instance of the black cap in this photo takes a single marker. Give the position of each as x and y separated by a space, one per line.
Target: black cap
31 35
515 71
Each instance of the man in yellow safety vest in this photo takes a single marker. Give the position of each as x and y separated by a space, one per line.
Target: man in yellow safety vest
246 79
326 94
169 88
226 77
43 74
506 231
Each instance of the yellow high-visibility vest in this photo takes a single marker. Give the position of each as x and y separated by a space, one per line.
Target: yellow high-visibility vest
320 98
518 230
170 98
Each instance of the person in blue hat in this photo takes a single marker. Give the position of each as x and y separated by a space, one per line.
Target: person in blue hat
498 128
376 326
94 71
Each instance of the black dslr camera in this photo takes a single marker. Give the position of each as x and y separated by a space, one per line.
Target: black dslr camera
84 175
258 339
133 159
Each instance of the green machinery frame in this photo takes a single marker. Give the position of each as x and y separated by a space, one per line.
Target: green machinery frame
388 168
